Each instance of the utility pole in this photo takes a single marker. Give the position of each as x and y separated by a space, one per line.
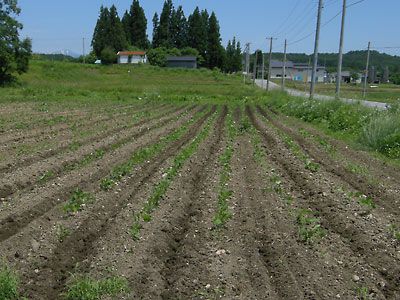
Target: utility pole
270 58
284 67
315 64
340 62
246 65
263 69
83 50
366 71
255 67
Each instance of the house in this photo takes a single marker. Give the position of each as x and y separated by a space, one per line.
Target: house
132 57
187 62
297 71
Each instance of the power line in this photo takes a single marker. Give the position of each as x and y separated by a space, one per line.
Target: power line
288 17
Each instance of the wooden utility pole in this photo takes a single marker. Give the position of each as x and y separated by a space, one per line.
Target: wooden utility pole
246 63
340 62
263 70
316 46
83 50
270 59
255 67
366 71
284 67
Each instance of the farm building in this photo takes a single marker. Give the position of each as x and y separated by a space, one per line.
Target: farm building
188 62
297 71
132 57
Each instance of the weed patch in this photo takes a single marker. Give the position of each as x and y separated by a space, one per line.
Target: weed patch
85 288
310 229
8 284
78 199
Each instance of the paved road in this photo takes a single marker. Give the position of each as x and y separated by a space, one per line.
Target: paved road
297 93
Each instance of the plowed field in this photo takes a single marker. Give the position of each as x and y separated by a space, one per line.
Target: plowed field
193 202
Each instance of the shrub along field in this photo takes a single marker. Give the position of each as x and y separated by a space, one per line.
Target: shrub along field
145 183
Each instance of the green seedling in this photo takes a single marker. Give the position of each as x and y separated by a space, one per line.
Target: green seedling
62 232
363 293
78 199
9 283
310 229
312 166
86 288
46 176
395 232
363 200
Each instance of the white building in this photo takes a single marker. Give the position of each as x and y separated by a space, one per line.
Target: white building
132 57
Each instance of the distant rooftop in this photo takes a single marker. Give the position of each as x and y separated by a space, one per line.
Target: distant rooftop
181 58
290 64
131 53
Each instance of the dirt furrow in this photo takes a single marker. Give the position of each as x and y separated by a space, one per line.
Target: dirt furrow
14 136
385 197
372 246
38 202
64 146
79 247
29 177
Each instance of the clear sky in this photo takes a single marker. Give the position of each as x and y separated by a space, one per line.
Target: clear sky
56 25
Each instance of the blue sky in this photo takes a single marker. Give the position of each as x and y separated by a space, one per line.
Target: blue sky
56 25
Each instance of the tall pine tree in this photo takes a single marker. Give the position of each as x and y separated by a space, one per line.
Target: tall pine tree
163 30
156 38
137 26
197 34
215 51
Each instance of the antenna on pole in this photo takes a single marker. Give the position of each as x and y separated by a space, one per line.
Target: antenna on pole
316 46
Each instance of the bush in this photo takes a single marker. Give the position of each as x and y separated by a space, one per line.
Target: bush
108 56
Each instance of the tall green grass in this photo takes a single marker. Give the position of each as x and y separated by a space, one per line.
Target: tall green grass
8 284
372 129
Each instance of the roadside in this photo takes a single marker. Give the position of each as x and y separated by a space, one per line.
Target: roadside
292 92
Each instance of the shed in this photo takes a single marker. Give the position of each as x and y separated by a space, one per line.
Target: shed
132 57
188 62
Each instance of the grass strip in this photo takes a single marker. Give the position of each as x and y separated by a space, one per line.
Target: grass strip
140 156
160 189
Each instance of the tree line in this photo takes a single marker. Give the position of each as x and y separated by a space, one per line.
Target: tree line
173 34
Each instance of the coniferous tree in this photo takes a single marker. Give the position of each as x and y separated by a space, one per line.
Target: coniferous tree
163 30
100 31
181 29
116 34
156 24
238 58
197 34
215 51
126 19
230 57
109 32
137 26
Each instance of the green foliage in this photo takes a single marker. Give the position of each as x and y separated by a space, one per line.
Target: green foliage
215 51
8 284
108 34
62 232
363 200
86 288
108 56
14 53
198 32
135 26
395 231
233 59
46 176
78 199
310 229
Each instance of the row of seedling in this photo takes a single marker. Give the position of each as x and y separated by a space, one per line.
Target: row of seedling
93 156
145 214
124 169
296 150
310 229
223 213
